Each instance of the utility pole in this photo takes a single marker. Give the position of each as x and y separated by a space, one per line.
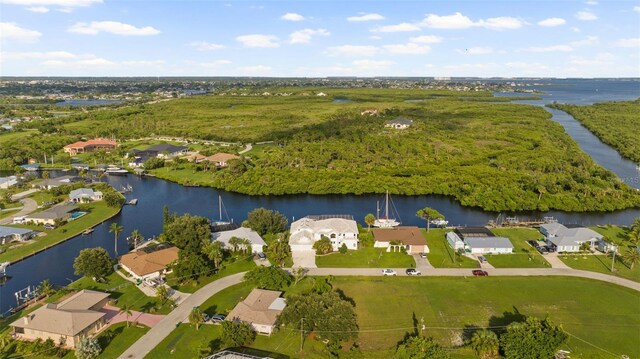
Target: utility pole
614 258
301 333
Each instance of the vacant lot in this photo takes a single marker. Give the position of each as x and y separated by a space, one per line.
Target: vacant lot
366 258
441 255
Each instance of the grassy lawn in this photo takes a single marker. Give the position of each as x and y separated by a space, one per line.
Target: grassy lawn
523 256
124 293
228 267
115 340
386 309
601 263
366 258
99 212
441 255
616 234
9 213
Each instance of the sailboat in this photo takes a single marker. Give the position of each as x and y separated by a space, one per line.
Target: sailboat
385 221
221 222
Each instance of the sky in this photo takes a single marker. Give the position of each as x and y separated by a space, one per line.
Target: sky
320 38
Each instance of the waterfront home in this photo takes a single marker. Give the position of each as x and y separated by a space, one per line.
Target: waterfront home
11 234
69 321
394 239
80 166
51 215
606 247
163 150
81 195
568 238
97 144
479 240
31 167
399 123
136 162
260 310
308 230
6 182
243 233
146 262
56 182
221 159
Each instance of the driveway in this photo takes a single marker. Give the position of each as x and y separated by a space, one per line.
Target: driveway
28 206
422 264
115 315
555 262
305 259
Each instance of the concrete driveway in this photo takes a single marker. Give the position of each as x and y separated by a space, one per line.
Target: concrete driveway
306 259
28 206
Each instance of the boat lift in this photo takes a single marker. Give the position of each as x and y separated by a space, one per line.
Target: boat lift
24 295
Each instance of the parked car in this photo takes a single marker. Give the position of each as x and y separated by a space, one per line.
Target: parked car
533 244
482 259
423 255
479 273
262 256
205 317
413 271
49 226
551 249
218 318
543 250
388 271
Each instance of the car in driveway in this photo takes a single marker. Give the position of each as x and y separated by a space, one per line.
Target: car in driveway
413 271
218 318
533 244
261 256
388 271
482 259
479 273
543 250
551 249
422 255
205 317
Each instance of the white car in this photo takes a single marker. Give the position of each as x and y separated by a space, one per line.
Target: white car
413 271
388 272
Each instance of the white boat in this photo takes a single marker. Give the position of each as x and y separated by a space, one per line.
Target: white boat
221 222
386 221
439 222
116 171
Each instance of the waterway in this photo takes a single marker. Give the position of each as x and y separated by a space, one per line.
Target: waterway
56 264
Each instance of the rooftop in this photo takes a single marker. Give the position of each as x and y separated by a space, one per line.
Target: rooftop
488 242
474 232
54 212
7 231
261 307
166 147
408 235
142 262
241 232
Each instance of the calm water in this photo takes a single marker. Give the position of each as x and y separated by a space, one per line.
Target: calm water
86 102
56 264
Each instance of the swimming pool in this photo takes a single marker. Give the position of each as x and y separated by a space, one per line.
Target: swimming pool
76 215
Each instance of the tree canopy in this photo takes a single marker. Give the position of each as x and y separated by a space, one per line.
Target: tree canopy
265 221
417 347
532 339
189 233
93 263
272 278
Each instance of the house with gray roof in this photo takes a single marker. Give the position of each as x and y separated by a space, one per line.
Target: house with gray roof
11 234
49 216
478 240
308 230
399 123
81 195
260 310
244 233
56 182
163 150
569 239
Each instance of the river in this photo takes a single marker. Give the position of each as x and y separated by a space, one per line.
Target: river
56 264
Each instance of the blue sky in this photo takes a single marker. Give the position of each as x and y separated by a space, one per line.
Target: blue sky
320 38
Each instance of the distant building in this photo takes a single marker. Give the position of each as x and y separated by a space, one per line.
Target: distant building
51 215
56 182
478 240
11 234
81 195
260 310
163 150
6 182
393 239
566 239
98 144
242 232
146 263
308 230
73 319
399 123
221 159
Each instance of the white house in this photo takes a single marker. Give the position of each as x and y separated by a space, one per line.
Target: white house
260 310
6 182
308 230
569 239
399 123
84 195
246 233
455 241
486 245
11 234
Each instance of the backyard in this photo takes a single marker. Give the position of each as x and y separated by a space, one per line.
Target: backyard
366 258
441 255
523 256
228 266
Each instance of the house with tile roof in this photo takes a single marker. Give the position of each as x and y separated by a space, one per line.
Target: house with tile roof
260 310
393 238
144 263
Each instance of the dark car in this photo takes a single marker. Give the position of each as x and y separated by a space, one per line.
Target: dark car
534 244
218 318
479 273
262 256
543 250
551 249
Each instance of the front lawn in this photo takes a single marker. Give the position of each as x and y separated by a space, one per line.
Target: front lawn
366 258
601 263
229 266
441 255
523 256
118 338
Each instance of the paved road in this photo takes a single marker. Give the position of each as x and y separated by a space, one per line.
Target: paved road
150 340
246 149
28 206
154 336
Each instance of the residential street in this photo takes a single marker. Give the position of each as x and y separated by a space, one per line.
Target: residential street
29 205
150 340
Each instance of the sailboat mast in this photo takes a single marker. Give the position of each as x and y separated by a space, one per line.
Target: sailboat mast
378 209
386 208
220 206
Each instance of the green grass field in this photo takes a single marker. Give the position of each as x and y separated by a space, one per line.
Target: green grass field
601 263
366 258
523 256
441 255
117 338
227 267
599 313
99 212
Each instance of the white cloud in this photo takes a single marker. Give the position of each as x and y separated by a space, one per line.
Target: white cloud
365 17
528 68
304 36
144 63
258 40
11 31
459 21
206 46
352 50
636 8
592 2
553 48
38 9
375 37
62 3
112 27
426 39
372 65
95 62
255 70
552 21
633 42
292 16
589 41
477 50
214 64
403 27
586 16
599 60
37 55
407 49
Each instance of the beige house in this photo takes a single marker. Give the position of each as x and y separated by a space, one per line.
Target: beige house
260 309
394 238
73 319
49 216
143 264
222 159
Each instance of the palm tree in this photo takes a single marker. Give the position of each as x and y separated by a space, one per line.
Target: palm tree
631 256
5 339
245 244
370 219
196 317
116 229
234 242
46 288
128 311
162 293
136 236
213 251
428 214
485 343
